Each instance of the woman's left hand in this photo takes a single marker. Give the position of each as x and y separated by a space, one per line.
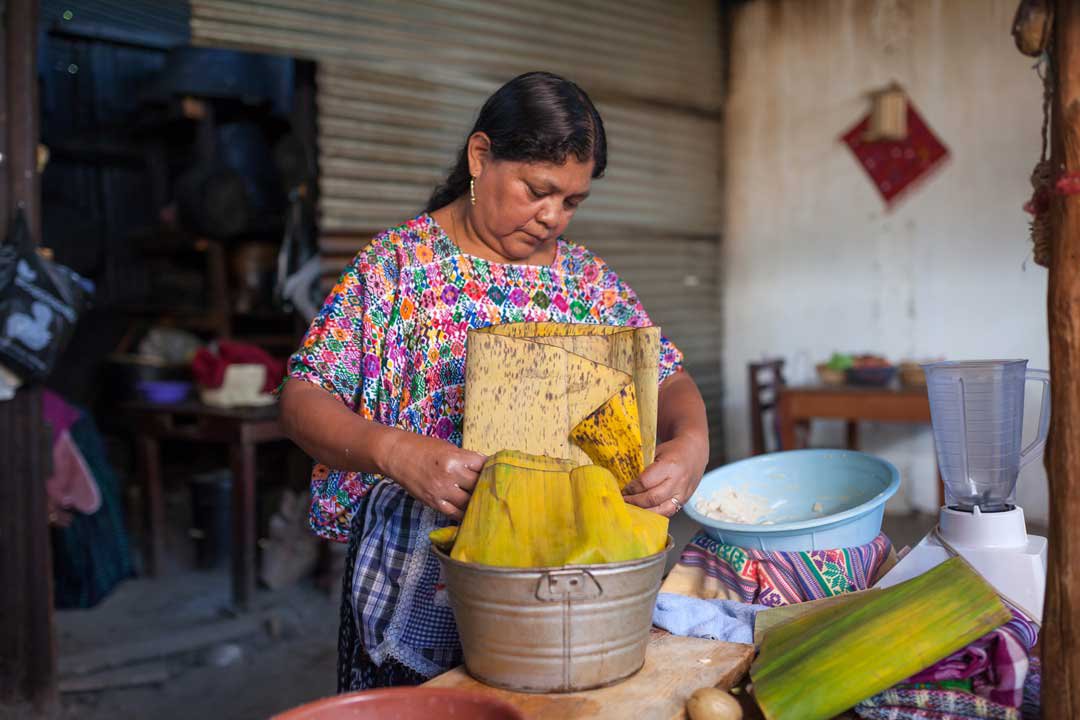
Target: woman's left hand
674 475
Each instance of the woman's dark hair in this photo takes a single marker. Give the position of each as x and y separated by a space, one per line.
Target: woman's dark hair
536 117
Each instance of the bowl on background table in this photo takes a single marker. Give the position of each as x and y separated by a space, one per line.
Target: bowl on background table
830 376
164 392
875 376
912 375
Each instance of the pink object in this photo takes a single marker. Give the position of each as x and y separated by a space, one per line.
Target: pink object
58 413
71 485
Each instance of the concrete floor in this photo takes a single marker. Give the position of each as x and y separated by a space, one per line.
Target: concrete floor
269 672
281 663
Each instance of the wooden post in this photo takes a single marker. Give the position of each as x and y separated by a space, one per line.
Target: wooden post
27 646
1061 628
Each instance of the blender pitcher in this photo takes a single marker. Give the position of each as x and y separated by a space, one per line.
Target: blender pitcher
977 411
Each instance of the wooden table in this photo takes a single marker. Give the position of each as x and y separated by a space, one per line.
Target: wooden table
798 405
674 668
242 429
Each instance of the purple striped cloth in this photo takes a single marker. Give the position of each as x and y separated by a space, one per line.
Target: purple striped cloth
996 663
711 570
1005 682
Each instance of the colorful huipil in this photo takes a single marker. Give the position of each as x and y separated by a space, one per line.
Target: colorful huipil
390 343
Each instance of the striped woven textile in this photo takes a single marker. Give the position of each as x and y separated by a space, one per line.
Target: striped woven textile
711 570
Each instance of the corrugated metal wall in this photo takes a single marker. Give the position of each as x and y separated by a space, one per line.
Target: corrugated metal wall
399 84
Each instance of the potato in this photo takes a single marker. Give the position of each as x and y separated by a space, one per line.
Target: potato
710 703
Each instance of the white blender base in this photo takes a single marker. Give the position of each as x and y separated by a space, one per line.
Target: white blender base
995 544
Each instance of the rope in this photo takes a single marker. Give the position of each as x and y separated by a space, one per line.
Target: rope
1042 177
1044 69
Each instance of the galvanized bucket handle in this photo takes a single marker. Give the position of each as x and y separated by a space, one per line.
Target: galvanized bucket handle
561 585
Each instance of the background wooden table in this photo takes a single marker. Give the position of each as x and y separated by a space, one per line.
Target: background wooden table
798 405
242 429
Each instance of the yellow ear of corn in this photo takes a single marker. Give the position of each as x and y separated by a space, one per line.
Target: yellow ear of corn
611 436
827 661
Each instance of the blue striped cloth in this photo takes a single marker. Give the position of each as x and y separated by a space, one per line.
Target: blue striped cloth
394 583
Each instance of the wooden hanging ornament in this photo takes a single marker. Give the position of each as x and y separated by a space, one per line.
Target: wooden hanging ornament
888 116
1032 26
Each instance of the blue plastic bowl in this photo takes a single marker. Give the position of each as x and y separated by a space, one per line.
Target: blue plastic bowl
851 488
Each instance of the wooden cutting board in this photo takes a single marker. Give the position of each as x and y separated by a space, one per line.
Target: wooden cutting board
674 668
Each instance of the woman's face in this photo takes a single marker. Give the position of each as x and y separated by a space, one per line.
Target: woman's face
521 207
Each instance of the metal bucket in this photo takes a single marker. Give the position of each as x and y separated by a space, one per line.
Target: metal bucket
557 629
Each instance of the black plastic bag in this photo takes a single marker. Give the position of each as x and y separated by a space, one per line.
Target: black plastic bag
40 302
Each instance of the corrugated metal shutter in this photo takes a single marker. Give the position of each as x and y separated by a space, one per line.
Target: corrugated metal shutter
399 85
385 141
138 22
661 51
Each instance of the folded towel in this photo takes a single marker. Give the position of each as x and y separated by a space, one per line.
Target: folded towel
727 620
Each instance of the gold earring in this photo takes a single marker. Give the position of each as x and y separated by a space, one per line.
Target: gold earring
472 190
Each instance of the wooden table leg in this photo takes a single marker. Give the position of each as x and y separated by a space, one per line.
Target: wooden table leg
802 433
852 435
242 456
788 435
149 462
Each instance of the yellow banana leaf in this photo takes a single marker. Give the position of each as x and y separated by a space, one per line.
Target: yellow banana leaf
611 436
529 511
531 386
443 538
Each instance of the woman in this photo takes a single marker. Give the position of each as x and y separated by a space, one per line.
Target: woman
375 393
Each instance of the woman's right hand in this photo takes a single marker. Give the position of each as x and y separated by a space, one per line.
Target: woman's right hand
435 472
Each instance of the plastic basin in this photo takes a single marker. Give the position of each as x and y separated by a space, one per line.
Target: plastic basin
849 489
411 703
164 392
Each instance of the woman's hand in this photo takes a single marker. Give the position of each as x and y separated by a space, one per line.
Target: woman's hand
674 475
681 457
433 471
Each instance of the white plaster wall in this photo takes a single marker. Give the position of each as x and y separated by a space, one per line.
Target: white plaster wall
812 262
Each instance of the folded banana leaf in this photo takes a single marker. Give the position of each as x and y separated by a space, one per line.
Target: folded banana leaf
821 664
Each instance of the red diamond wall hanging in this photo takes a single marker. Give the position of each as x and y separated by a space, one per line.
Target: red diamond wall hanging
897 166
